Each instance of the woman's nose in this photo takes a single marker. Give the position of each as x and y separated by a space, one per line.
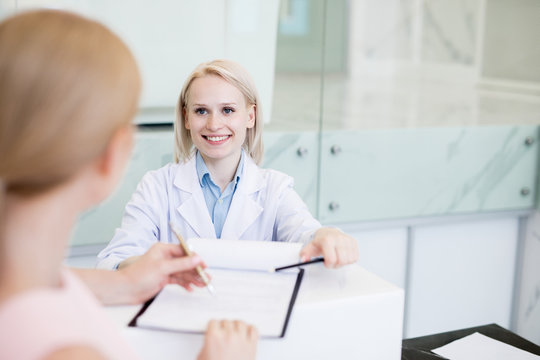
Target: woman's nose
213 122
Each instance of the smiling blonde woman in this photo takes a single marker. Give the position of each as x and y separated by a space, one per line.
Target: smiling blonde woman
215 188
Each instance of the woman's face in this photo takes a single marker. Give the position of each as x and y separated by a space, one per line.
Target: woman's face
218 117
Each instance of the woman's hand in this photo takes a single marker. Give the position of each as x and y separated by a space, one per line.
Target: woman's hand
334 245
162 264
229 340
143 276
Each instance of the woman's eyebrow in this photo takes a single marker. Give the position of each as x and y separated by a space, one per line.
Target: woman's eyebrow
223 103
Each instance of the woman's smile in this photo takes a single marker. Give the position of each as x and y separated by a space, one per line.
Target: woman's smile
217 139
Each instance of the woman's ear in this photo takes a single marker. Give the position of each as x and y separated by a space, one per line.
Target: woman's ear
111 163
185 118
252 115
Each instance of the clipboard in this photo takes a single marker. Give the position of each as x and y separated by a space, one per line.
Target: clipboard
247 292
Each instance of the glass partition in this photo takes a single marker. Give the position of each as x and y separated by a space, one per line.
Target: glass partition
299 66
340 82
430 63
421 103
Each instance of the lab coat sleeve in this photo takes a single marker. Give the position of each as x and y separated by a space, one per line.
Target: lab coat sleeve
294 222
139 229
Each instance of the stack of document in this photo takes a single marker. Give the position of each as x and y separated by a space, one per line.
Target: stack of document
480 347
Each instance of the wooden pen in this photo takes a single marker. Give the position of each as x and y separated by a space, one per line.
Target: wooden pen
199 269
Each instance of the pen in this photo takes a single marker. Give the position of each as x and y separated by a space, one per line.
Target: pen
199 270
314 260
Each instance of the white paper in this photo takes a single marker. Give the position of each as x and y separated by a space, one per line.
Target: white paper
242 254
480 347
258 298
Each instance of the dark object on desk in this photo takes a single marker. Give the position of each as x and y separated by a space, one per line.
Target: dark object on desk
312 261
420 348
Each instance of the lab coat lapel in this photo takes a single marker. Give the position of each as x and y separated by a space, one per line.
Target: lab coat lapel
244 210
192 204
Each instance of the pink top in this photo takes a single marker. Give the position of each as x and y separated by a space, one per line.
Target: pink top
36 323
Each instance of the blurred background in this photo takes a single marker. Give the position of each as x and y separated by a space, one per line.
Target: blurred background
411 124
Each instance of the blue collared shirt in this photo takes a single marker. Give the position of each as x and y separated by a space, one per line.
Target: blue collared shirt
218 203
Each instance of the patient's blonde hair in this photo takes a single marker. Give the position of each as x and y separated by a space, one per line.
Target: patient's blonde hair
237 76
67 84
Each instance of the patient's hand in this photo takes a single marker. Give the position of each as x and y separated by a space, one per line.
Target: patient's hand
162 264
229 340
143 276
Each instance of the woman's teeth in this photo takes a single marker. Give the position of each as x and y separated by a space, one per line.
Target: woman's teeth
217 138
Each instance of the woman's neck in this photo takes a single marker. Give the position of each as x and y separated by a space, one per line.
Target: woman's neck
222 170
36 233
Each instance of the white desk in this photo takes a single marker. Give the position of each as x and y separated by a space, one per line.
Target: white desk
339 314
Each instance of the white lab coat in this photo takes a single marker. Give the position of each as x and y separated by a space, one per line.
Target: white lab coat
264 207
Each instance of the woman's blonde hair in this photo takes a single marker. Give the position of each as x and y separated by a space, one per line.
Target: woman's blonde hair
67 84
237 76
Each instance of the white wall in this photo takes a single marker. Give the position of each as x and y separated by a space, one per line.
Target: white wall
461 275
169 38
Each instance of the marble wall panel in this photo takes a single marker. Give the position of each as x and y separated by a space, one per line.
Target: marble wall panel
528 313
399 173
450 31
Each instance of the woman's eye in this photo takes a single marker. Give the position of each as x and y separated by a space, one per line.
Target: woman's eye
228 110
200 111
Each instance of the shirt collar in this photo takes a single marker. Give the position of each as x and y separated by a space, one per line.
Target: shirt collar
240 168
202 170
